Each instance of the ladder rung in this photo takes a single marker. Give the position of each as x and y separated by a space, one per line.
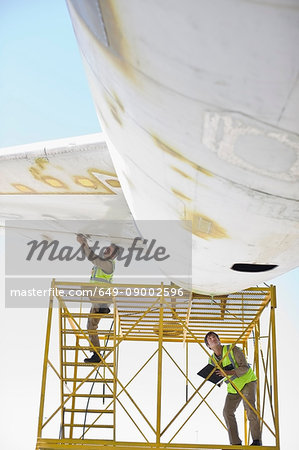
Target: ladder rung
86 425
100 332
99 411
90 395
82 347
87 315
82 364
88 380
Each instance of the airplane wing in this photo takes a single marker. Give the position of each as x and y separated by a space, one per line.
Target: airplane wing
72 178
51 191
56 189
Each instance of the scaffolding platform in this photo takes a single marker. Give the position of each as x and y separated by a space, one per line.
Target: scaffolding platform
53 444
93 400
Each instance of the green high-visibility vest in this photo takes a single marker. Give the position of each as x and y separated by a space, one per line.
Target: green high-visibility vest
230 360
99 276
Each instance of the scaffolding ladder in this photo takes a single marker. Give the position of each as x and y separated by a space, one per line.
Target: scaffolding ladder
87 389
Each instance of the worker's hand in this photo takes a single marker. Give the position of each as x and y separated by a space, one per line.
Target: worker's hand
81 239
230 372
226 372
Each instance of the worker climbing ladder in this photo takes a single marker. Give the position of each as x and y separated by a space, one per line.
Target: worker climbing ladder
87 390
90 405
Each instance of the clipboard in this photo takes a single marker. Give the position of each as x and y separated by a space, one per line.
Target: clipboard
205 372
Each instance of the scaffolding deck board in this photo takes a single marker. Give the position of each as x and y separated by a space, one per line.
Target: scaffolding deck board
186 317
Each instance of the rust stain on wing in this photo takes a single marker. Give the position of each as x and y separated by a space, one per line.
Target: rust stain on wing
92 181
180 195
119 103
204 227
62 180
171 151
114 183
37 169
114 108
185 175
23 189
54 182
35 172
94 184
85 182
41 162
116 116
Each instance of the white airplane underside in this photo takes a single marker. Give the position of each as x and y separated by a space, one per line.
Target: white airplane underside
199 105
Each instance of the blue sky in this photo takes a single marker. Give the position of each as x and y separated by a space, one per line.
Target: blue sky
44 95
43 89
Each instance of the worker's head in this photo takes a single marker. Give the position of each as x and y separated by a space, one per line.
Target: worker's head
111 251
211 338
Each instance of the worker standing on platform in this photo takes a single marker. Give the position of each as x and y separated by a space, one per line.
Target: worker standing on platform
237 370
102 272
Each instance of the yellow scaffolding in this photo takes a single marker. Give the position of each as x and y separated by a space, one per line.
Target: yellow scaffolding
91 396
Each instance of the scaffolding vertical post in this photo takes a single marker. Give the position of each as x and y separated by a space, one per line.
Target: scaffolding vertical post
62 369
257 364
115 325
45 364
274 368
159 383
187 369
246 431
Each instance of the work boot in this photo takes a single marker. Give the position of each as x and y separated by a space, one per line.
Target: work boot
93 359
256 442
